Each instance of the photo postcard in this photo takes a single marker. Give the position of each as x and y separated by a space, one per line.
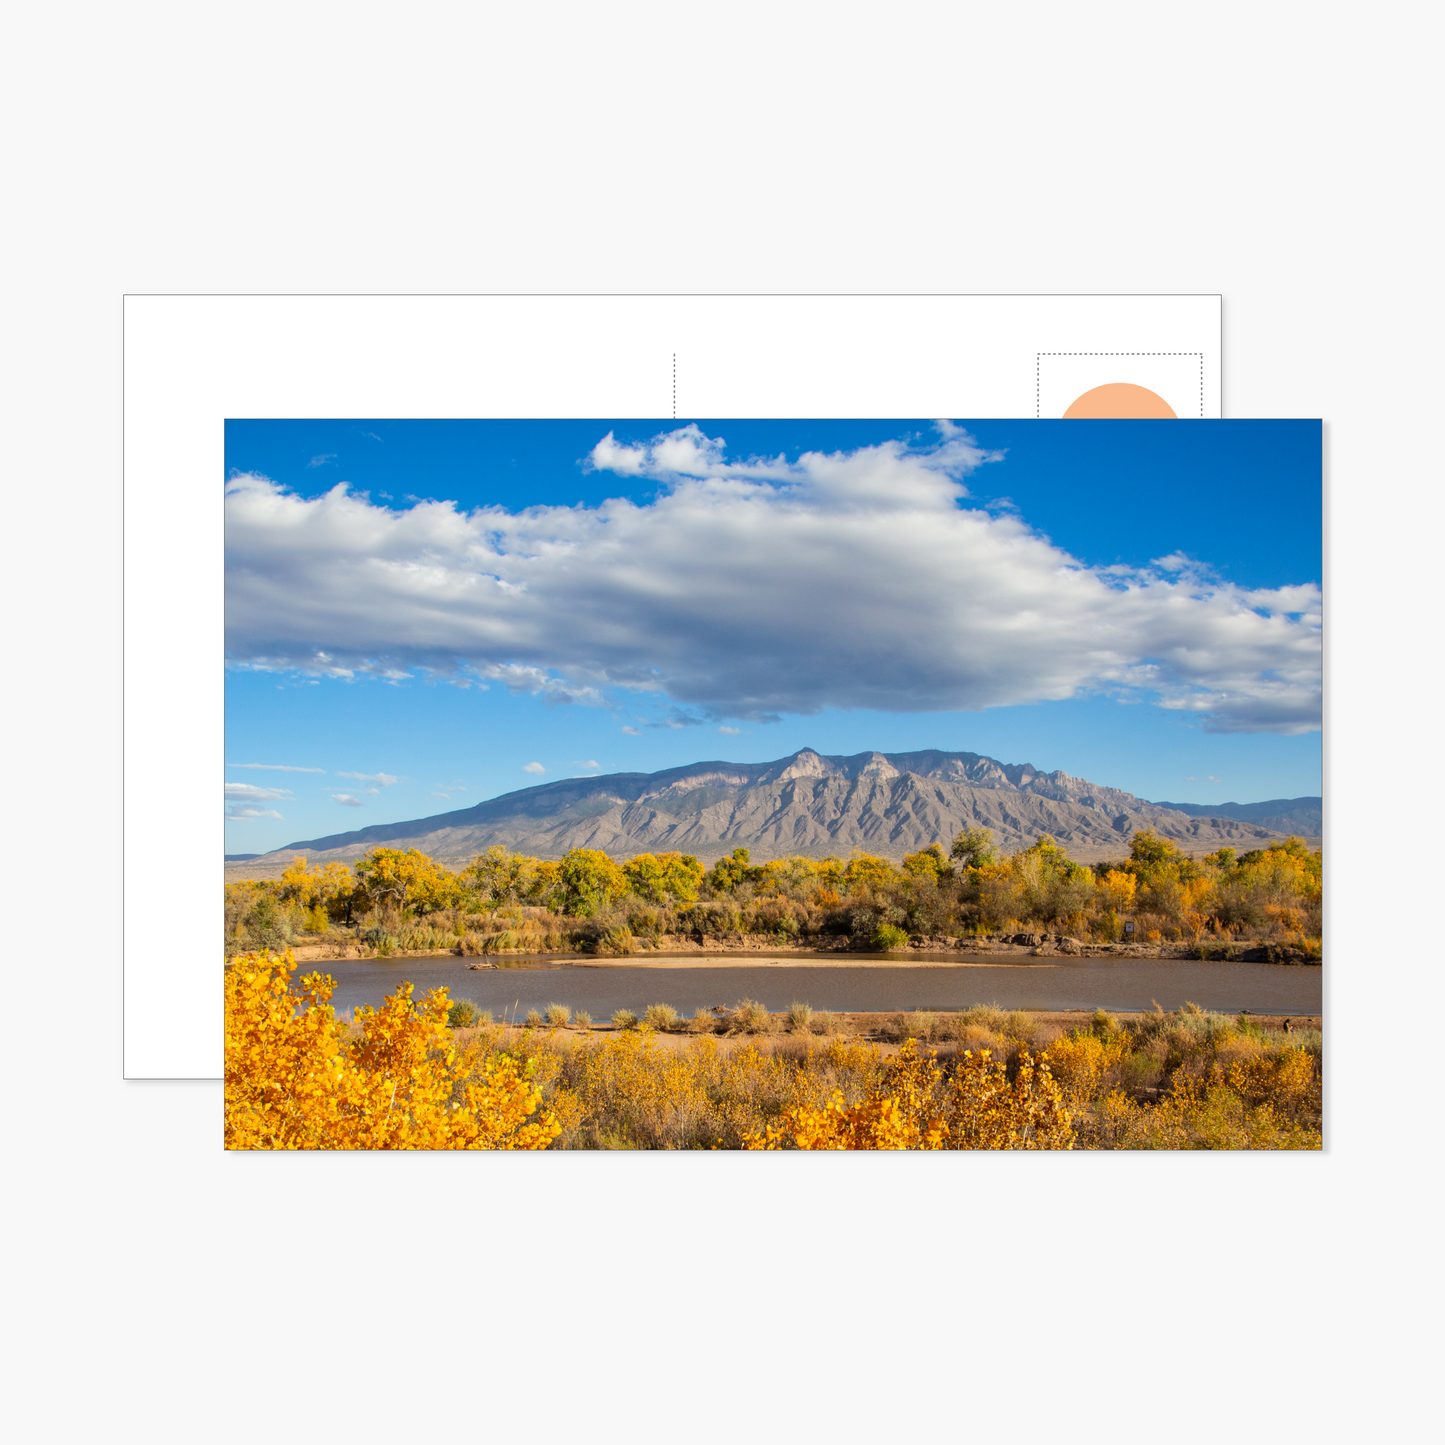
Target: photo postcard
755 784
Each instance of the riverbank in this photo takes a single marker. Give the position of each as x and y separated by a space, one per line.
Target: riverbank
678 950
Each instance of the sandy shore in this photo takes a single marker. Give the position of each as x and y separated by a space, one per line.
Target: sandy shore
794 960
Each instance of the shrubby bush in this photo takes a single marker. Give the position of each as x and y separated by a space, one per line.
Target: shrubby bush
463 1014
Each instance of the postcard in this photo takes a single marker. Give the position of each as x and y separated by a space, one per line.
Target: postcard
748 784
192 362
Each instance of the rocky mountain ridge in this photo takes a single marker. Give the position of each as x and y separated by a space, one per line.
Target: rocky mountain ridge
808 803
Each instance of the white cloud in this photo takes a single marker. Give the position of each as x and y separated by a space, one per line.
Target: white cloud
533 768
253 794
239 812
384 780
590 763
276 767
347 801
321 461
731 732
632 732
754 588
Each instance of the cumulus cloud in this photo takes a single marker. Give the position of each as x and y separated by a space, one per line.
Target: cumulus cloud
347 801
731 732
384 780
533 768
253 794
240 812
755 587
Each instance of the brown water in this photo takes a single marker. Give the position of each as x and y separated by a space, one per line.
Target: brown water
1045 985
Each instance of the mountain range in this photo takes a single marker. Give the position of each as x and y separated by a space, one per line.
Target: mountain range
886 803
1304 816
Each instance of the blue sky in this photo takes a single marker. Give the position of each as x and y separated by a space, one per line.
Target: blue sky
1157 629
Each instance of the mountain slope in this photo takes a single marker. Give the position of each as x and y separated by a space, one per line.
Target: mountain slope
1282 815
890 803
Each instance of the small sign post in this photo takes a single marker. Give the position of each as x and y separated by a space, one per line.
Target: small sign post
1129 926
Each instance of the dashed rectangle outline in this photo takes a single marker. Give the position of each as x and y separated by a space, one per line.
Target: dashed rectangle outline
1038 367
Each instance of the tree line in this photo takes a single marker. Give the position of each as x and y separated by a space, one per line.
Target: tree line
403 898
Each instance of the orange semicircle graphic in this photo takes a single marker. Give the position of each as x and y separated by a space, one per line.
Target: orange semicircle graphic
1119 400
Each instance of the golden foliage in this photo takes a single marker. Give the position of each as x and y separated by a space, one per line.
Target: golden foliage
1116 890
913 1106
296 1080
1203 1116
1081 1063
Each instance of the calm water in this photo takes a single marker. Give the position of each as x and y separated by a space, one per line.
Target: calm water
1047 984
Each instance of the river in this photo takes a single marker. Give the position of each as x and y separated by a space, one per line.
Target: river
1127 985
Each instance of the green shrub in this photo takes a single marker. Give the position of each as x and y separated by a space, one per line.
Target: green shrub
800 1016
886 937
659 1016
533 1020
624 1018
916 1025
463 1014
582 1019
558 1015
749 1017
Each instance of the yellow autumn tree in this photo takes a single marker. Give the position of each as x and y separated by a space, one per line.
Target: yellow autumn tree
930 863
664 877
867 870
296 1080
393 881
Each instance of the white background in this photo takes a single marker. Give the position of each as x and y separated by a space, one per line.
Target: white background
193 361
1281 155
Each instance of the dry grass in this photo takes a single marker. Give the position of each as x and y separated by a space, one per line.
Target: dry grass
1180 1080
